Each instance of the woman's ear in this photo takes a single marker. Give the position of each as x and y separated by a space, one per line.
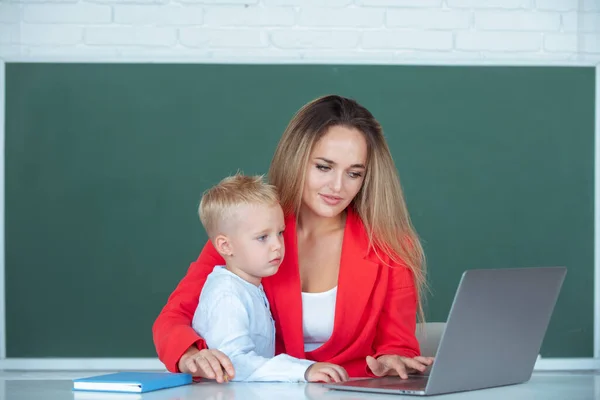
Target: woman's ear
223 245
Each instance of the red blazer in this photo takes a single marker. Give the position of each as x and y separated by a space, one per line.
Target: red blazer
375 310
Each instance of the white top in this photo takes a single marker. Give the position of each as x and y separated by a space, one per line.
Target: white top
234 316
318 312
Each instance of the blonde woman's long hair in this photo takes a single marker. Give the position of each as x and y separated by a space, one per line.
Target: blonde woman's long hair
379 203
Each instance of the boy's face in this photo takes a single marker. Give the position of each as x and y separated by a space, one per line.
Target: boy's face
256 241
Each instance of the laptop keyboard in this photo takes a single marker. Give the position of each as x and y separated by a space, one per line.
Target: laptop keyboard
412 383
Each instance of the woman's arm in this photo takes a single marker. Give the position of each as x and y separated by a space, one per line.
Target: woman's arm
172 331
397 324
396 346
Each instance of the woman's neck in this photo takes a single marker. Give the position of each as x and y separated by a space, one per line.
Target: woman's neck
311 224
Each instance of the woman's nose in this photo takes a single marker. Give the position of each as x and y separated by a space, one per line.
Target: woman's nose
336 182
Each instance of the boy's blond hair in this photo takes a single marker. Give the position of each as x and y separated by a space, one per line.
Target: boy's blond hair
219 203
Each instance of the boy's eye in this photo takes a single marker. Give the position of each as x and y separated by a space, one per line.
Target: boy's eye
262 238
322 167
280 233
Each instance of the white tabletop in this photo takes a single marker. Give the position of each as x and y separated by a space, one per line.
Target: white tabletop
54 386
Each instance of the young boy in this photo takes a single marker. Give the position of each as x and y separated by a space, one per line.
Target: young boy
245 223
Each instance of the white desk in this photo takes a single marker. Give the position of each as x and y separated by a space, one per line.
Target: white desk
54 386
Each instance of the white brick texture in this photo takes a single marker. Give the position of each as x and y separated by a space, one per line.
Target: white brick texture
219 2
517 21
347 18
308 3
560 43
499 41
81 13
138 2
486 4
301 30
43 1
424 40
9 13
584 22
222 38
170 14
589 22
51 34
128 36
400 3
246 16
590 5
315 39
556 5
590 44
428 19
9 34
570 22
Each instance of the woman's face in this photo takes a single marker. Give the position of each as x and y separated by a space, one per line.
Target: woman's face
335 171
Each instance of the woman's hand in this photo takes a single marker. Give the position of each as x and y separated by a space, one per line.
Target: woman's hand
388 365
207 363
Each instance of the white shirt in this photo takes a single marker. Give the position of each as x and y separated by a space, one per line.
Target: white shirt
318 312
233 316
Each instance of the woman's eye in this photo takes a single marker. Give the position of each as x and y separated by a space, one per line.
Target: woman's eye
321 167
354 175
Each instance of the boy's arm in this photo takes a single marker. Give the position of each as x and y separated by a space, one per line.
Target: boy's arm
172 331
224 322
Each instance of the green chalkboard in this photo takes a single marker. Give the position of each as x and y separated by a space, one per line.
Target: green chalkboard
105 165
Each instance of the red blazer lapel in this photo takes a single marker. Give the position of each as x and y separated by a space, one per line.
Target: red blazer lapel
357 277
356 280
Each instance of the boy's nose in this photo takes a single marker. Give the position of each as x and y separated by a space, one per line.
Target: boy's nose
278 243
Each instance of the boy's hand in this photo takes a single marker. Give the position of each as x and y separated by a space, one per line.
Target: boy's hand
325 372
207 363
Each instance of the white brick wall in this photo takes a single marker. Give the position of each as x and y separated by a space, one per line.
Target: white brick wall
381 31
72 14
157 15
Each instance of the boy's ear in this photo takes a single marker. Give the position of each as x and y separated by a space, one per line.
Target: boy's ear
223 245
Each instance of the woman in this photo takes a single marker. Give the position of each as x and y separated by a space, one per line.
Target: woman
349 288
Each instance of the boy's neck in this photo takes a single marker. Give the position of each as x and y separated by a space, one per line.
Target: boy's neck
245 276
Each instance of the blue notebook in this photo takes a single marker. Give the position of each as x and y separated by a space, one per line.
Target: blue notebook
132 382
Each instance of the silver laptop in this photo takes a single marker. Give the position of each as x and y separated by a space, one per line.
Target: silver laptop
492 337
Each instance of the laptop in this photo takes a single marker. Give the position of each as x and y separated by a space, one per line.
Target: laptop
492 338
